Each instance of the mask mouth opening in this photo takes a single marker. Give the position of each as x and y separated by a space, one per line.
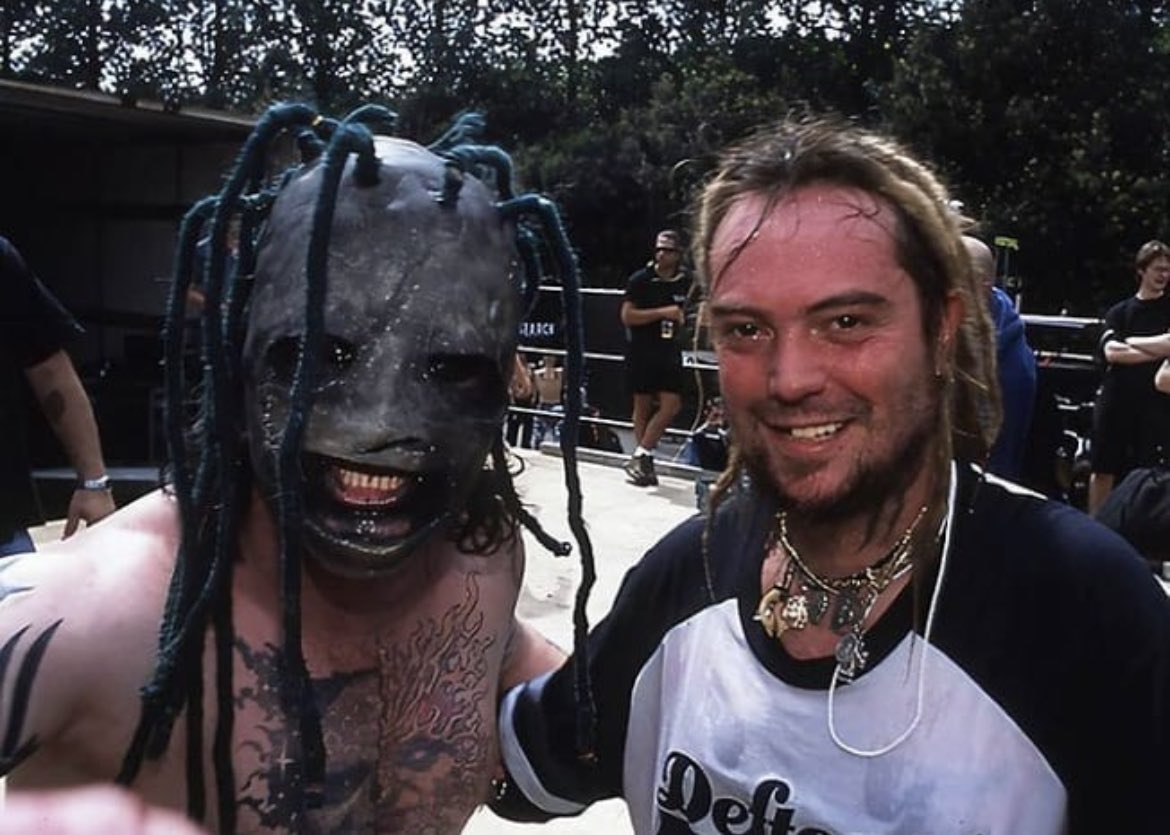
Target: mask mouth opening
369 511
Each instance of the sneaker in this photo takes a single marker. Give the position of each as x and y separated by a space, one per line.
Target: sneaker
640 471
649 476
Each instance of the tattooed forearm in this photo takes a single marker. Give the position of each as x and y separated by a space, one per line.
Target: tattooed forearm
15 747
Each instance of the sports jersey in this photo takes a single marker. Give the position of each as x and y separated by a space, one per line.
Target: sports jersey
1043 677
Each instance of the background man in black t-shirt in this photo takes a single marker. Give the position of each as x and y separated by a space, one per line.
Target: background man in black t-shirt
1131 425
652 312
34 327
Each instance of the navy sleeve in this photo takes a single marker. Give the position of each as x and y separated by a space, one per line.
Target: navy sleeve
33 324
538 720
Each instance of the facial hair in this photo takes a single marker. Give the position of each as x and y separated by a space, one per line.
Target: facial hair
873 487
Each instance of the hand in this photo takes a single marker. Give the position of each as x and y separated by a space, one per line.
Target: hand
677 315
89 811
520 389
88 505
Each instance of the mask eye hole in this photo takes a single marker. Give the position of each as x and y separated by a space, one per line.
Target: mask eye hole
461 369
337 355
282 359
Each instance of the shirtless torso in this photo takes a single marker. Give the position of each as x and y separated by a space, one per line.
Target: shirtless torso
406 672
549 381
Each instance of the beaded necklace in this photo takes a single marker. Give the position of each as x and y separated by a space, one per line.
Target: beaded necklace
794 605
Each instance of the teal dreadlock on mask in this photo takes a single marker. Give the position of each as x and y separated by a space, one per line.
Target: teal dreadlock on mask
354 373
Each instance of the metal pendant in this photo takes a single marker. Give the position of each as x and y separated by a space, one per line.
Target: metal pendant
849 613
851 654
818 603
794 615
766 611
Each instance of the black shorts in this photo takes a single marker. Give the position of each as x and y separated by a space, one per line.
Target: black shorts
650 374
1128 432
1107 452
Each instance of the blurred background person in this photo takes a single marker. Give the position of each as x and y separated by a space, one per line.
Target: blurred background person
1131 420
1015 367
522 393
652 312
550 379
35 329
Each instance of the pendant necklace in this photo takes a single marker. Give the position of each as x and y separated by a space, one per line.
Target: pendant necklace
801 596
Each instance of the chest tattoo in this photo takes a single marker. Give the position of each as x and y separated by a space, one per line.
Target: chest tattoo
408 743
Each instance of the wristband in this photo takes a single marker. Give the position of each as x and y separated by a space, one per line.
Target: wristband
102 482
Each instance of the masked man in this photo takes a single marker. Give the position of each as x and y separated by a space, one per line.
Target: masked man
338 559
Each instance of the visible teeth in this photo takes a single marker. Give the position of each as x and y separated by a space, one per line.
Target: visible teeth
384 483
815 432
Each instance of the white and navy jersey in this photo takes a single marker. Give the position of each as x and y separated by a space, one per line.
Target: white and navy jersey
1043 709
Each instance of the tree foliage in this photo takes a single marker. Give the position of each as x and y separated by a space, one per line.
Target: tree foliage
1049 119
1045 115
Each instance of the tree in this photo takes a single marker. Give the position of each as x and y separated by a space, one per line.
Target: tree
618 181
142 52
67 47
223 34
17 27
1049 118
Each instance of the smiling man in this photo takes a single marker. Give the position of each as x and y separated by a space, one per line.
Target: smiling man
337 560
867 632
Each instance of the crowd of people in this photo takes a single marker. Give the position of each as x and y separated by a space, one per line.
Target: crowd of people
869 628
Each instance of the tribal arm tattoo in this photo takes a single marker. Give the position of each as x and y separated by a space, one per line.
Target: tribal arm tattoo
15 745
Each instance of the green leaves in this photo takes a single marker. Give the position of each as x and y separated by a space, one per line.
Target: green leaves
1048 118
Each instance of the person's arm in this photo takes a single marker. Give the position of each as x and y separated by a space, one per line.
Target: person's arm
65 404
540 721
1122 353
36 688
633 316
1162 377
1154 347
529 654
521 387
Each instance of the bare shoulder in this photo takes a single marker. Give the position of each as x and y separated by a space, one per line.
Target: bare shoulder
79 624
134 548
527 653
